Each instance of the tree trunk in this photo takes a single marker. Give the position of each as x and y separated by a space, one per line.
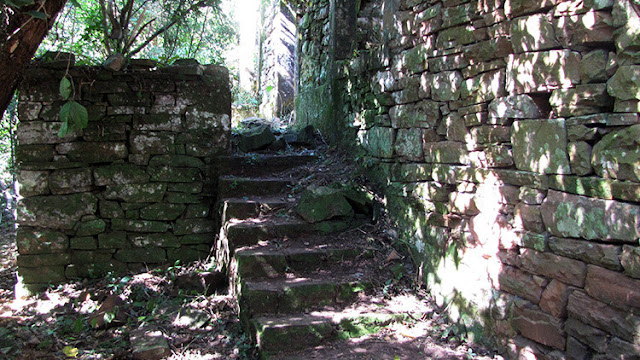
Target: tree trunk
17 50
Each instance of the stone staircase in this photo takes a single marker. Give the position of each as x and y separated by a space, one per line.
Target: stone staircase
298 285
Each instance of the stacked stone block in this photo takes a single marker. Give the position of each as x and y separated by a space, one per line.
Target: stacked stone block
505 134
136 187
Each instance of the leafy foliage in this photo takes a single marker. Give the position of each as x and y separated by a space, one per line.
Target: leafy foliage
72 114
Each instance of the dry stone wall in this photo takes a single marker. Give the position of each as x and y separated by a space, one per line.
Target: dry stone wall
505 135
136 187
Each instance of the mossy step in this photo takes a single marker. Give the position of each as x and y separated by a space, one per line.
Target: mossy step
240 233
271 263
282 334
249 207
237 187
262 164
287 296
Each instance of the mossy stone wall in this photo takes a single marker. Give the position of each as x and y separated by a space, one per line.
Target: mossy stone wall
134 188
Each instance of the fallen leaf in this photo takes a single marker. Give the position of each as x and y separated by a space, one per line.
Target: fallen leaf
70 351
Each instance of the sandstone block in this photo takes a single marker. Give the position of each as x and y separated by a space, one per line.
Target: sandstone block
540 146
625 83
594 337
447 152
542 71
520 283
166 240
515 8
567 270
118 174
379 142
613 288
581 100
593 67
575 216
539 326
515 107
446 86
69 181
56 212
617 155
580 158
533 33
34 241
408 144
554 299
33 183
630 260
598 254
424 114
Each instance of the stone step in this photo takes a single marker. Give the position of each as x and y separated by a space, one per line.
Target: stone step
249 207
283 334
263 164
237 187
298 294
272 263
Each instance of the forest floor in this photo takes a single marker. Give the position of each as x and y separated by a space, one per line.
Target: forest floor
96 319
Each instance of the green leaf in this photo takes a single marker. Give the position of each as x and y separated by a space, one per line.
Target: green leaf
75 3
65 88
109 316
78 326
75 114
70 351
18 3
63 129
38 14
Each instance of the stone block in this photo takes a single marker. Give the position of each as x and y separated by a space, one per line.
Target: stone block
199 117
157 122
110 209
34 153
197 211
189 188
589 252
69 181
33 183
173 174
141 255
42 274
40 132
613 288
592 28
118 174
177 161
446 85
587 186
567 270
44 260
593 337
379 142
520 283
93 152
166 212
581 100
515 107
193 226
36 241
573 216
533 33
540 146
484 87
84 243
424 114
152 143
136 193
408 144
542 71
539 326
112 240
530 217
91 227
593 67
617 155
580 158
56 212
165 240
514 8
630 260
488 134
620 323
415 59
182 198
625 83
445 152
139 225
554 299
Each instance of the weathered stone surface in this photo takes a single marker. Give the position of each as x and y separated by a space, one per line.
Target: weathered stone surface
323 203
531 196
255 139
44 260
136 193
590 28
379 142
83 243
520 283
33 183
593 67
625 84
35 241
113 240
542 71
167 212
613 288
484 87
533 33
617 155
598 254
446 86
42 274
152 143
575 216
165 240
199 117
56 212
193 226
540 146
554 299
118 174
515 107
530 216
587 186
630 260
180 161
581 100
139 225
557 267
141 255
408 144
447 152
91 227
149 344
539 326
595 338
580 158
617 322
423 114
69 181
173 174
515 8
95 152
40 132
